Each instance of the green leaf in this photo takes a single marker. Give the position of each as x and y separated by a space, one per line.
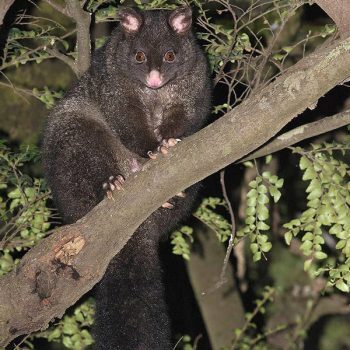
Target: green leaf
275 193
306 246
307 264
16 193
341 285
249 164
262 189
263 199
320 255
257 256
288 237
279 183
253 184
268 159
266 247
254 247
340 245
304 163
262 226
262 212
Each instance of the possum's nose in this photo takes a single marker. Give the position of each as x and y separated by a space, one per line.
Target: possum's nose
154 79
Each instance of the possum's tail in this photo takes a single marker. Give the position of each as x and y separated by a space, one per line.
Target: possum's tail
131 309
130 302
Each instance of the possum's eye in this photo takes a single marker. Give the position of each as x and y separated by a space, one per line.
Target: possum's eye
169 56
140 57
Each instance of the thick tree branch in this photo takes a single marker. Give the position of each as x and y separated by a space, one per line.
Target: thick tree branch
4 7
301 133
339 11
58 271
74 9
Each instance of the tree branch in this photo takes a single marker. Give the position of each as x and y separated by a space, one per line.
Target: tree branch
82 20
64 58
301 133
4 7
74 9
58 271
339 11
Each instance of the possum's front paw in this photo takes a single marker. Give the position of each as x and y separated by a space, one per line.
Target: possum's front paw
113 183
163 148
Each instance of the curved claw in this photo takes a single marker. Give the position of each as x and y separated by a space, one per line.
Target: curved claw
113 183
163 148
152 155
167 205
173 142
181 194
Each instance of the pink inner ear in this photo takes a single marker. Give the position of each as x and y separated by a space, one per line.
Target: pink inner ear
131 23
179 23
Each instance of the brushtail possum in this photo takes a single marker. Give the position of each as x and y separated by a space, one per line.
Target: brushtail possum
148 86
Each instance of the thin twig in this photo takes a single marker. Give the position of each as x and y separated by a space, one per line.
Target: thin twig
301 133
222 279
64 58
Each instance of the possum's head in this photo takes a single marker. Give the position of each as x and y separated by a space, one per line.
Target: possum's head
156 46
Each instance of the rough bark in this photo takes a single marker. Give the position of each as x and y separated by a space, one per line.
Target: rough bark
57 272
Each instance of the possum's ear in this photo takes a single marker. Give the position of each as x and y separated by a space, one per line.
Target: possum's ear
180 20
130 19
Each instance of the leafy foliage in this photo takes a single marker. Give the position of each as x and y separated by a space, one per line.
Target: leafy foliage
246 50
23 211
242 339
47 96
218 223
181 241
18 50
257 212
25 220
73 330
328 210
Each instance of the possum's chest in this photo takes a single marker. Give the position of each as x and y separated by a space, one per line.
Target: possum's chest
157 105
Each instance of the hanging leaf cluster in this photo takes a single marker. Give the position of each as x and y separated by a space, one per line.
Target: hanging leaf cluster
262 189
327 210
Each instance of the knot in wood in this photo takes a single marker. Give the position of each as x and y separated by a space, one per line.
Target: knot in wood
69 250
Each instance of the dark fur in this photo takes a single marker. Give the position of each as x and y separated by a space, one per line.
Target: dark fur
108 120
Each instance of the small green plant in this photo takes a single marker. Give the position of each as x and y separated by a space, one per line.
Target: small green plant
181 241
327 211
73 330
246 338
25 217
257 212
25 220
207 214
